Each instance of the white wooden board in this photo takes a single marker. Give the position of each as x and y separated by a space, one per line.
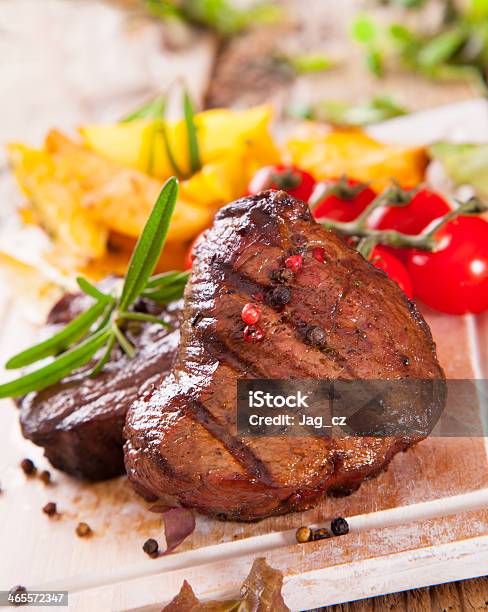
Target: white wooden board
425 521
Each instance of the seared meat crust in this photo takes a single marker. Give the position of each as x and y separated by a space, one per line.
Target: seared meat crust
181 436
79 421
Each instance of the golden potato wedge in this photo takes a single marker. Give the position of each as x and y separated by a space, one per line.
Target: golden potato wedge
56 201
122 198
353 153
140 145
124 204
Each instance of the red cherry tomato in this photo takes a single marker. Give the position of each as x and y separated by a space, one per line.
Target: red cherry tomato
383 260
454 279
424 207
344 200
296 182
189 254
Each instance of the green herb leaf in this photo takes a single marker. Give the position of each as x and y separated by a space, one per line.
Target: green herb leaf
191 129
57 369
93 291
465 164
140 316
169 152
379 108
310 63
154 109
149 245
166 278
127 347
102 362
441 48
74 331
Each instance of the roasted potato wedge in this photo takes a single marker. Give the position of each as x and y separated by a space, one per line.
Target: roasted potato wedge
353 153
221 133
121 198
56 201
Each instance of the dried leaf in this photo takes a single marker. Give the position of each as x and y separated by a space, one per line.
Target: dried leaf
179 523
260 592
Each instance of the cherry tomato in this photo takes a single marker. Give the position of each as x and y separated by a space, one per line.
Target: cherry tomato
454 279
424 207
296 182
344 200
189 254
383 260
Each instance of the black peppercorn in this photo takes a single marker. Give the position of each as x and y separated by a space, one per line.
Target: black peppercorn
50 509
283 275
280 296
339 526
28 467
151 548
83 530
321 534
316 336
45 476
406 361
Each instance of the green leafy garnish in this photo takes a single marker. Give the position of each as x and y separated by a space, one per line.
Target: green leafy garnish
379 108
102 324
191 130
150 244
465 164
220 16
153 109
457 48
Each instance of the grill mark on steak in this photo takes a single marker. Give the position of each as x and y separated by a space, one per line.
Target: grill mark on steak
242 453
251 238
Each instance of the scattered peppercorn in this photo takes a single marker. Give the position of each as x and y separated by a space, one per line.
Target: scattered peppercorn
339 526
17 590
294 263
83 530
303 534
280 296
253 334
45 476
318 253
316 336
406 361
28 467
321 534
250 314
50 509
283 275
151 548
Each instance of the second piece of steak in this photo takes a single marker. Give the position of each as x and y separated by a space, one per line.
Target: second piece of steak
79 420
337 317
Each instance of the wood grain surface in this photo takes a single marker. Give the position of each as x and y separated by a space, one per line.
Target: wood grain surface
462 596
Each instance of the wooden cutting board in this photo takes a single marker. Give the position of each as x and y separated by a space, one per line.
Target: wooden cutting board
423 522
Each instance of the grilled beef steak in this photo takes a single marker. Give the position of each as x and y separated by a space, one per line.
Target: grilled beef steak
79 420
338 317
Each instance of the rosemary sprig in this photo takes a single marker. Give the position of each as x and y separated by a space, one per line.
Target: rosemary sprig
191 129
152 109
101 325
